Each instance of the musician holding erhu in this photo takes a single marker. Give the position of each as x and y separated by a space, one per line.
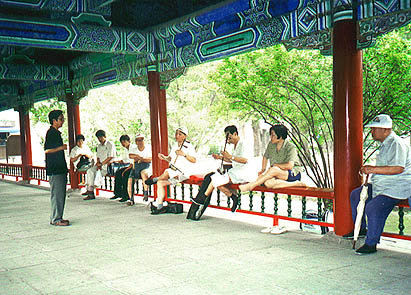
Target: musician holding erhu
182 158
240 173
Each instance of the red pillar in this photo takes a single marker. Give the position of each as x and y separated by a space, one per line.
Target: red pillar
163 128
348 118
154 98
25 141
73 125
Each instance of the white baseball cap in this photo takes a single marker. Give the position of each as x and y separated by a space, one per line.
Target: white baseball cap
381 121
183 129
139 136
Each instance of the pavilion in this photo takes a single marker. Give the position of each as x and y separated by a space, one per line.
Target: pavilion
62 49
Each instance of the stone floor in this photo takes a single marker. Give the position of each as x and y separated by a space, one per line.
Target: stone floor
112 249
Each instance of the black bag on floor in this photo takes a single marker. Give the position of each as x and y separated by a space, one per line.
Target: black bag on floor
175 208
196 211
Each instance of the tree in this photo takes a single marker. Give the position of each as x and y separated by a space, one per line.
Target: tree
295 88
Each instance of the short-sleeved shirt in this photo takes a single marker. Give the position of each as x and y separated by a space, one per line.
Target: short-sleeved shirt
394 151
287 153
55 162
126 154
85 150
105 151
181 162
146 153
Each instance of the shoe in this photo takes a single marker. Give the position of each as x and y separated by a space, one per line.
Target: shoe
295 177
150 181
66 220
145 198
278 230
199 200
350 236
60 223
130 203
267 230
89 197
114 197
122 200
87 193
366 249
235 202
159 211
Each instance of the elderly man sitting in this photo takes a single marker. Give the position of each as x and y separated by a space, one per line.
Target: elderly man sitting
390 182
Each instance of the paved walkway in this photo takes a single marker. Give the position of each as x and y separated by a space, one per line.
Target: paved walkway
112 249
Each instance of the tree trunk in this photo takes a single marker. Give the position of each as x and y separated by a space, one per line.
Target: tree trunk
257 140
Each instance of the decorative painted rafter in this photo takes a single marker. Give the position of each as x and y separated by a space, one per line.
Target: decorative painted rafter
62 6
33 72
61 35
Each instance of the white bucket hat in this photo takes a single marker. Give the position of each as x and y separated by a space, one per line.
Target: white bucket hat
381 121
183 129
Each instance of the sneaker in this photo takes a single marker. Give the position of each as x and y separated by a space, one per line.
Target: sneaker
366 249
87 193
123 200
150 181
350 236
199 200
114 197
89 197
278 230
267 230
235 202
159 211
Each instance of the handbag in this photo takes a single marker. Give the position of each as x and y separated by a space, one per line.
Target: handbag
112 168
84 164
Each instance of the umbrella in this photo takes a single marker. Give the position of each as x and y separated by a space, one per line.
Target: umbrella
360 210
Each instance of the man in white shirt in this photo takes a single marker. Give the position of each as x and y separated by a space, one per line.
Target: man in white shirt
106 151
181 158
79 150
141 154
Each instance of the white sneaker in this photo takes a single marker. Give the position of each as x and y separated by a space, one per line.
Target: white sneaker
267 230
277 230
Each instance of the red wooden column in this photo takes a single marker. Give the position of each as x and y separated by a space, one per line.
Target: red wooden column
348 118
25 141
163 128
73 125
154 98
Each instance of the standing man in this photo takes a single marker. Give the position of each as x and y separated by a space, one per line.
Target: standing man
390 183
106 151
56 168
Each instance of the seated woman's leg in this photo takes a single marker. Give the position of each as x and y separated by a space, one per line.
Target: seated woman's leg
279 183
161 188
273 172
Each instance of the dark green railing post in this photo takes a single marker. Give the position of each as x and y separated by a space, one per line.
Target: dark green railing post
262 202
275 204
239 199
182 191
289 205
191 190
218 198
319 203
401 226
304 201
175 191
251 201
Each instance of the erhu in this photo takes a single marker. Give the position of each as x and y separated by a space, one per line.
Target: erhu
172 166
221 169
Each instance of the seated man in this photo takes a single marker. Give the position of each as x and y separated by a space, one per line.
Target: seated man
79 150
284 163
240 172
390 183
181 159
106 151
141 154
121 175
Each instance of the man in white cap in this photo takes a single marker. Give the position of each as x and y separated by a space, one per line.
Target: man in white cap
181 158
390 182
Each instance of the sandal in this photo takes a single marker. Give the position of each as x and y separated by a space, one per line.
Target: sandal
130 203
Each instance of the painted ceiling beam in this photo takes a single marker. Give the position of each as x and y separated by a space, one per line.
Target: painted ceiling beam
71 36
66 6
33 72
